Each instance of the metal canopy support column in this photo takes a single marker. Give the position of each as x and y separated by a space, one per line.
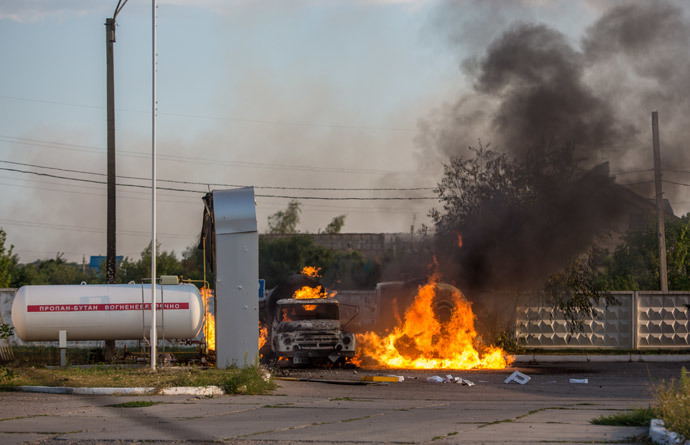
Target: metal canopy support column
237 277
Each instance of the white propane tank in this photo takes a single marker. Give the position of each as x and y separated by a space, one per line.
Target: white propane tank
105 312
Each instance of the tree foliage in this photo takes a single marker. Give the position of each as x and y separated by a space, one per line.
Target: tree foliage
166 264
53 271
8 261
59 271
634 265
281 257
336 225
572 289
523 224
489 180
285 221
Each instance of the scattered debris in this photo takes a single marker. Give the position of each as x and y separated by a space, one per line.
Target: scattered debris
449 379
518 377
585 381
381 378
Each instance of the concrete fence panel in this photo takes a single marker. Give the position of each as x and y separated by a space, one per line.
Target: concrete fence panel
540 326
663 320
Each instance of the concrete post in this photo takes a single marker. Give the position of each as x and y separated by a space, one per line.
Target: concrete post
110 261
62 343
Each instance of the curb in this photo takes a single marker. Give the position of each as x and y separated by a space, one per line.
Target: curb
140 391
583 358
662 436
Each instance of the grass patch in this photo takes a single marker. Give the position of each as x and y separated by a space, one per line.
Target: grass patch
347 399
248 380
673 403
634 417
135 404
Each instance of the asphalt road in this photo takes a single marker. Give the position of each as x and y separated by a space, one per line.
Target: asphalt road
548 409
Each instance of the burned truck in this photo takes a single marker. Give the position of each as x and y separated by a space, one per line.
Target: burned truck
301 329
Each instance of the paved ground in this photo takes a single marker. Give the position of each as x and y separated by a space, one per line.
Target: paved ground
548 409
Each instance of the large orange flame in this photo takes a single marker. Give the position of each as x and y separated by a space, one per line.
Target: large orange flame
263 336
422 341
309 293
311 271
209 320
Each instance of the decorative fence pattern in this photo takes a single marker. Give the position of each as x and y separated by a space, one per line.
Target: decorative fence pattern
643 319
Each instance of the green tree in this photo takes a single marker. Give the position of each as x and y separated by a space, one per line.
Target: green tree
53 271
573 288
285 221
336 225
193 264
281 257
634 265
8 261
490 180
524 224
166 264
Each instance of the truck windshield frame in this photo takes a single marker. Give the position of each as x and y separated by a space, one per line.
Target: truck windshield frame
308 311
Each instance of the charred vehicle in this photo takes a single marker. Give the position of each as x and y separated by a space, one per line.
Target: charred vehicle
304 330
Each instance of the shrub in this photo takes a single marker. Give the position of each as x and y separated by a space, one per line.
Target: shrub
673 404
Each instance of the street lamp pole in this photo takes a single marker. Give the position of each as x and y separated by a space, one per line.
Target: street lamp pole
154 111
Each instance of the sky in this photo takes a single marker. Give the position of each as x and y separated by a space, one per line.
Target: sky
291 95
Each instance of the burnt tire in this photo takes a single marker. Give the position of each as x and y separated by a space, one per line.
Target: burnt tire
444 302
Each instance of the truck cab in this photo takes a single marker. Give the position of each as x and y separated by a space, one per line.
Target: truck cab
309 330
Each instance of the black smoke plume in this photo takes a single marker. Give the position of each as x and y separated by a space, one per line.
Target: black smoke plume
532 88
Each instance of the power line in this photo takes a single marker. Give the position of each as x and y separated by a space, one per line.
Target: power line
88 229
663 180
228 118
173 181
676 183
625 172
123 195
93 181
197 203
101 151
638 183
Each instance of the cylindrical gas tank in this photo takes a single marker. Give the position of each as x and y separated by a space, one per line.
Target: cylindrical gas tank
106 312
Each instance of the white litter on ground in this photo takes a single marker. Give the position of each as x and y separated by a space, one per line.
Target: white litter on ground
518 377
584 381
449 379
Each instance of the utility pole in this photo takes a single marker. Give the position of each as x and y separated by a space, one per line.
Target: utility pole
661 230
111 252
